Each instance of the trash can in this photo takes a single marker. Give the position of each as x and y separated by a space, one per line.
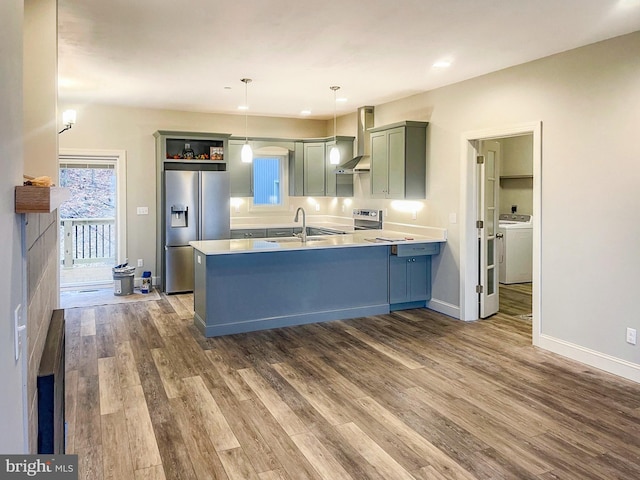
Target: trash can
146 282
123 279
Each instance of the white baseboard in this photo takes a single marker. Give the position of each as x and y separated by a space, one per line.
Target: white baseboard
593 358
444 307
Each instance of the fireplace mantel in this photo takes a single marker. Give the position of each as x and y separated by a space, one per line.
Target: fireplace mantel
33 199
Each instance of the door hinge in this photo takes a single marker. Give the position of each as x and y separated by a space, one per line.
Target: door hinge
479 289
480 159
479 224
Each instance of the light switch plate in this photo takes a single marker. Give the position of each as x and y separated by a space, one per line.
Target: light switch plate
142 210
18 329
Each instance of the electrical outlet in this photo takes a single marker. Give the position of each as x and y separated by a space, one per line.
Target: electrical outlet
414 215
631 336
317 207
140 263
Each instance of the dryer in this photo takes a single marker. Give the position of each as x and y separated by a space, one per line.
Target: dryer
515 248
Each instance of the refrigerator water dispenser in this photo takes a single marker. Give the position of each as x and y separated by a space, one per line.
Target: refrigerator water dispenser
179 216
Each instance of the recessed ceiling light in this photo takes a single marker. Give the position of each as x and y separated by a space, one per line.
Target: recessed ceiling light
227 88
341 100
305 112
442 64
243 107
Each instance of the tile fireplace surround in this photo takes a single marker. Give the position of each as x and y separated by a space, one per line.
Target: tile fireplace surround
40 242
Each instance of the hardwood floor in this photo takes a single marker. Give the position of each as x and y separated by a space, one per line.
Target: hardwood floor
410 395
515 299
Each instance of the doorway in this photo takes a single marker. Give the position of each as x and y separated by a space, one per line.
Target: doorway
92 227
470 194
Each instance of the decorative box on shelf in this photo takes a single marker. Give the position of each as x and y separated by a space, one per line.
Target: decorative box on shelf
33 199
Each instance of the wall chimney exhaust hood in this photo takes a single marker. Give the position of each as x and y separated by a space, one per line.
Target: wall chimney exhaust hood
362 161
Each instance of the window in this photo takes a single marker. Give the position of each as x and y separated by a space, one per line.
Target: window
268 181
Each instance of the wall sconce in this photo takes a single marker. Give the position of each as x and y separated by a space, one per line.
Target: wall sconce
68 119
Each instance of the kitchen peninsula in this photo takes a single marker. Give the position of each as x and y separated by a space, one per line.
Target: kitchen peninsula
245 285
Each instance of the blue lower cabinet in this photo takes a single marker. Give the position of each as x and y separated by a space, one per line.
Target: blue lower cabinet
244 292
409 281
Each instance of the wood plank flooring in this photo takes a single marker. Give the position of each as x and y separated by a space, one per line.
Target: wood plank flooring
515 299
410 395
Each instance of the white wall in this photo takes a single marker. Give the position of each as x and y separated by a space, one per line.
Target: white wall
12 405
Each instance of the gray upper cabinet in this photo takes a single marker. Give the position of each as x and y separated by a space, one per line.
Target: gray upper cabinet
339 185
311 173
296 171
241 174
398 160
314 169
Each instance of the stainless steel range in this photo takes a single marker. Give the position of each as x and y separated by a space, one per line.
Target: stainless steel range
366 219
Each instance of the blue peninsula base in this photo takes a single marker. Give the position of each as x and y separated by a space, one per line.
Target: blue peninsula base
243 292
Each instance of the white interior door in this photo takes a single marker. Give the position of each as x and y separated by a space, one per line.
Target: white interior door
488 212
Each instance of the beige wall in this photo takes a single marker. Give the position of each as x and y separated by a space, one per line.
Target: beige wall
41 87
131 129
40 154
516 161
12 293
589 103
588 100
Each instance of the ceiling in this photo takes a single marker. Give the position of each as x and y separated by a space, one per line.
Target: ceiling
190 55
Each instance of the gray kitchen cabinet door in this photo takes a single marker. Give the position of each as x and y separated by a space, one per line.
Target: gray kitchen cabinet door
396 168
248 233
409 279
314 169
398 160
241 174
296 171
339 185
379 165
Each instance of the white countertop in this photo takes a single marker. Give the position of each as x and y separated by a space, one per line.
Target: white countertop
362 238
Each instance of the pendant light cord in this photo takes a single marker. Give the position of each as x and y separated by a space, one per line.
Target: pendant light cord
246 106
335 88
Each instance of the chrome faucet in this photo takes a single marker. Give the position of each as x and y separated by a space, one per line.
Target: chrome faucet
303 234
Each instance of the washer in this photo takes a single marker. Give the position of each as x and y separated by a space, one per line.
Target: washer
515 248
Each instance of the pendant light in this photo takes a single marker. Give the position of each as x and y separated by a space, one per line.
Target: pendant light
246 154
334 153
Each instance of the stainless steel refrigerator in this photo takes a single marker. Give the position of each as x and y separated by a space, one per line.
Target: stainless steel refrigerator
196 207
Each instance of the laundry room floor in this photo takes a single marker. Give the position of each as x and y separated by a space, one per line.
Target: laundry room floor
515 299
